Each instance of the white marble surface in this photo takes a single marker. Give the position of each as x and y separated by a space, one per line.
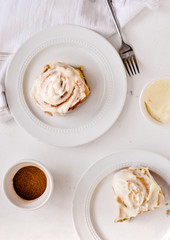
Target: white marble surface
149 34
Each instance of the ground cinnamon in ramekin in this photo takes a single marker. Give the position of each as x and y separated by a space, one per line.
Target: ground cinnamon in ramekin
30 182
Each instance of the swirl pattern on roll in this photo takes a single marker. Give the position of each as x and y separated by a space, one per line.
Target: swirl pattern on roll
59 88
136 192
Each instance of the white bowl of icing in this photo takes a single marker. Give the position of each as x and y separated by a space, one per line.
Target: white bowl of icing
154 102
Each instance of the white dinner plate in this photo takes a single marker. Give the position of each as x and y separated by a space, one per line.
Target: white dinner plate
94 206
104 73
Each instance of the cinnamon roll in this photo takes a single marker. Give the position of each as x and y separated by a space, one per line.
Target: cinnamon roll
59 88
136 192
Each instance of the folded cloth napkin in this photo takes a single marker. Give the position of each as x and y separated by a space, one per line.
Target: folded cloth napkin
20 19
5 114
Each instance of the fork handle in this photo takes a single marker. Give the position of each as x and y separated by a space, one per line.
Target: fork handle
114 17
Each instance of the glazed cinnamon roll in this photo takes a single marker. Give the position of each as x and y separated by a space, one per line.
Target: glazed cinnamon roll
59 88
136 192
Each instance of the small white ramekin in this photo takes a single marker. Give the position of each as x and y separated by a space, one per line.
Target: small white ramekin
144 111
12 195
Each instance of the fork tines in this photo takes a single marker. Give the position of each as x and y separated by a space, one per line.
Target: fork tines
131 65
128 57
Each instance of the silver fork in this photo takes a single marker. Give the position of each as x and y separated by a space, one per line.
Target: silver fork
126 52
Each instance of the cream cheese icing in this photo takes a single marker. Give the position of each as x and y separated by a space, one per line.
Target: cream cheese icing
136 192
157 100
59 88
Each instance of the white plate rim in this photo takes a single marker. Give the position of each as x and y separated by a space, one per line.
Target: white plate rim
26 122
87 231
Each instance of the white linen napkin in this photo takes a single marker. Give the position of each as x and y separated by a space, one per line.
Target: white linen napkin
5 114
20 19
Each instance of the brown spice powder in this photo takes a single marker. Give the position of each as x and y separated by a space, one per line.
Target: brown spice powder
30 182
168 212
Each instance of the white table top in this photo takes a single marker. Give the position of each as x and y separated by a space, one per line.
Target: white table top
149 34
